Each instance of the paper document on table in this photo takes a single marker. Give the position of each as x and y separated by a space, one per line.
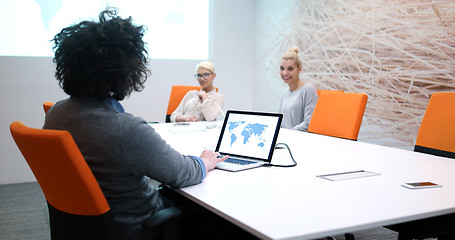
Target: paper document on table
185 128
348 175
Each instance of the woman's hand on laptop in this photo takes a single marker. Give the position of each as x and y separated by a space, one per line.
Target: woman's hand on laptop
211 159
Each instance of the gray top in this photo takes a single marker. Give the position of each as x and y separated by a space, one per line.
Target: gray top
124 152
297 107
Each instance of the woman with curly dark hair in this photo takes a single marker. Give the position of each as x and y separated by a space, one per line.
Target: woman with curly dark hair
103 60
97 64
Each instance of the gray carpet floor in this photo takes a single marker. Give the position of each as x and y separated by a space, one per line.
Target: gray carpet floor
23 215
23 212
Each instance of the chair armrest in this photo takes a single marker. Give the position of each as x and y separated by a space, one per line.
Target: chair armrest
182 208
163 216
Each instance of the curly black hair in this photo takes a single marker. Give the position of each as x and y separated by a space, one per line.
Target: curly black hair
105 59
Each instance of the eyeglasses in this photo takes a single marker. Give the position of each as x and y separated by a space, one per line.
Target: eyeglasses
205 76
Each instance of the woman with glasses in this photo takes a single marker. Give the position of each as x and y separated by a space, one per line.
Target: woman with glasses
203 105
297 102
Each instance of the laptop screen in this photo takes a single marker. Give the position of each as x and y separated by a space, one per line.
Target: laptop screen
249 134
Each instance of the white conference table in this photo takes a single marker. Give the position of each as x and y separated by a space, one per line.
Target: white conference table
292 203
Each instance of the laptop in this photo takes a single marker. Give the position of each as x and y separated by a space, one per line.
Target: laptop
248 138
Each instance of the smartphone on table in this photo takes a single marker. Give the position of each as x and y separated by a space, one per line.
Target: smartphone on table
420 185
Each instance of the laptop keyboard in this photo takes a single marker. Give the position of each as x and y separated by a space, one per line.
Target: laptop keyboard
239 161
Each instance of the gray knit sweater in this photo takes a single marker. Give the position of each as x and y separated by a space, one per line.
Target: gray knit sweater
123 152
297 107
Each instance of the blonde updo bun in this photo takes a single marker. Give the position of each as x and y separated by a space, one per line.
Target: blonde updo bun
293 54
294 49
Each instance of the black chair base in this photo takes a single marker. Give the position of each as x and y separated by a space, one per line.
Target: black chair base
67 226
442 227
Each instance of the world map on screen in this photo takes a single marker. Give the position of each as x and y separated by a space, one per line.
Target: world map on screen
247 133
49 10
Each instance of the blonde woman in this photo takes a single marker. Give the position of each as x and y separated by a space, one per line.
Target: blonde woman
203 105
298 101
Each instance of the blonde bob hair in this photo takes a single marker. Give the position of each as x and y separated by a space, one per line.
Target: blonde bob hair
206 65
293 54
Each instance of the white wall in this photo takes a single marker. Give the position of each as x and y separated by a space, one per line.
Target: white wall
242 37
268 86
25 83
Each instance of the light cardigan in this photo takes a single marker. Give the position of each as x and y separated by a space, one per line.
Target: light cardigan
191 105
124 152
297 107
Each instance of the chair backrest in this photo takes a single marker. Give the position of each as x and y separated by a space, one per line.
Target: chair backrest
77 206
338 114
67 182
176 96
437 131
319 91
47 105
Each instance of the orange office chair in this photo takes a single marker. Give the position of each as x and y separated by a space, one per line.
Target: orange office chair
437 131
176 96
319 91
436 136
47 105
77 206
338 114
